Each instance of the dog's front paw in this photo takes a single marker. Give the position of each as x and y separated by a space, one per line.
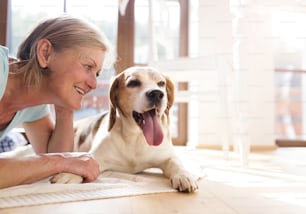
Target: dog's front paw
184 182
66 178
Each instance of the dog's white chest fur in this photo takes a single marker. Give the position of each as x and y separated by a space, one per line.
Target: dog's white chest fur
129 152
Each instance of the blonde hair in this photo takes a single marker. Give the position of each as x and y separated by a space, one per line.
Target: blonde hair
63 32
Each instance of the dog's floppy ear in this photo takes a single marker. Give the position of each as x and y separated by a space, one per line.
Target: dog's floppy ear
113 94
170 93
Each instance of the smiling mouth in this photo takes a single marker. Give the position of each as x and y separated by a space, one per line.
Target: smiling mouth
79 90
149 123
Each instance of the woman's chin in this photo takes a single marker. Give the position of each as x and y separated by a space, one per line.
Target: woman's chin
75 106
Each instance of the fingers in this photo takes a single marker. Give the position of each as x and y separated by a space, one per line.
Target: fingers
82 164
91 170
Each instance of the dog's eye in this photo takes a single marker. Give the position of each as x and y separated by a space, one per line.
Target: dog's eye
161 83
134 83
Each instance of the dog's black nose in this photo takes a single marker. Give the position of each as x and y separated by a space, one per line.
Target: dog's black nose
155 96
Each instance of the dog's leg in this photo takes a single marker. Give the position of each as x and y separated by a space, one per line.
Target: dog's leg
179 177
66 178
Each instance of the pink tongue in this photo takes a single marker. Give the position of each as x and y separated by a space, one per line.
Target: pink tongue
152 129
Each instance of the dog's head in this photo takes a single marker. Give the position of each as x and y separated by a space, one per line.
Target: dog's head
142 95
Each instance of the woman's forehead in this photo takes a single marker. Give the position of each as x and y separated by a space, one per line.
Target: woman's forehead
94 54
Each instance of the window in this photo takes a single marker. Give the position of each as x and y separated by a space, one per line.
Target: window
290 78
157 28
290 113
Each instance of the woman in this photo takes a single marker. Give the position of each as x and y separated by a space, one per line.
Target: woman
56 64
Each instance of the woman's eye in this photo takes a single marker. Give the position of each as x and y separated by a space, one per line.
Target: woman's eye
88 67
97 74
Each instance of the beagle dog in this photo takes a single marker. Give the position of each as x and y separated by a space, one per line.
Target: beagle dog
135 134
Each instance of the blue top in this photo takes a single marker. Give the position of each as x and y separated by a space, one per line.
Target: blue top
25 115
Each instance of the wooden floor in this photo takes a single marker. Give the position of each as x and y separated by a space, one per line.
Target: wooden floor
274 183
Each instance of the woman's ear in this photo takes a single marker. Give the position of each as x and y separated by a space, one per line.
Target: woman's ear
44 49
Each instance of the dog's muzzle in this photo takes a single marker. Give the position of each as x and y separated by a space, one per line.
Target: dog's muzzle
149 121
155 97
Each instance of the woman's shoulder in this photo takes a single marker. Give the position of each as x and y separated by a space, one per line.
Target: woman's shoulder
33 113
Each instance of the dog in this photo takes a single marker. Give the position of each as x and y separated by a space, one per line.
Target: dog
135 134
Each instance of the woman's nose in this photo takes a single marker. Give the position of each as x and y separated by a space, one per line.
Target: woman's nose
92 82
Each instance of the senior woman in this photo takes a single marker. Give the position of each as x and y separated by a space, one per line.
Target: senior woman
57 64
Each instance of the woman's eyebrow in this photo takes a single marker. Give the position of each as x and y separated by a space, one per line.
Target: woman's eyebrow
94 62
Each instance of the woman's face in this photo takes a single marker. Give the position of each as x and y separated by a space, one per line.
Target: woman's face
73 74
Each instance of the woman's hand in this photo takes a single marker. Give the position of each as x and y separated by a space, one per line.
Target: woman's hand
82 164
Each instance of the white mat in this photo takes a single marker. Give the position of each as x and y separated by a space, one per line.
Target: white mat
108 185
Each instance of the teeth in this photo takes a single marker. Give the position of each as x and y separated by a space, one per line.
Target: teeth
139 118
80 90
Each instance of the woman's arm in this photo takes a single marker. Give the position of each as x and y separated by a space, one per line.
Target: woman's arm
45 137
31 169
61 139
38 133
